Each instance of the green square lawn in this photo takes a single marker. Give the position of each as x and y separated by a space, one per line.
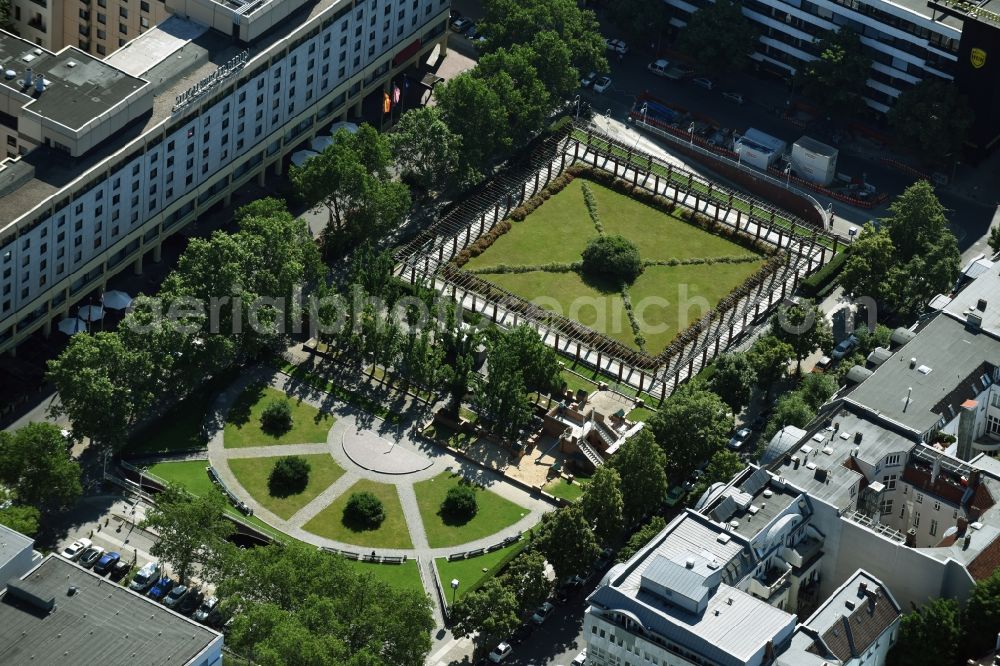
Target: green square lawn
565 490
253 475
495 513
309 425
392 533
401 576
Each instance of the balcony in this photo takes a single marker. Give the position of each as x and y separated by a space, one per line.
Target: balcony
37 23
770 583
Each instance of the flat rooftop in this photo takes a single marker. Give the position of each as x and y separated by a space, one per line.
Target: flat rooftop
734 626
985 288
751 503
12 544
101 622
200 57
79 87
948 359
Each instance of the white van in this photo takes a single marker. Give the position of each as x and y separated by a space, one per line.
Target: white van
659 67
145 577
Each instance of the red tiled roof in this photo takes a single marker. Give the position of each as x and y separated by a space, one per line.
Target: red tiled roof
986 562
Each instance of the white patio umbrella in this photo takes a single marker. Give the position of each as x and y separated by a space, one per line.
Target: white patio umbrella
116 300
90 313
320 143
72 326
301 157
350 127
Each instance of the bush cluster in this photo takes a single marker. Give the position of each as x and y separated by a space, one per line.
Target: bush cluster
460 504
591 203
289 476
276 419
364 510
612 256
552 267
640 340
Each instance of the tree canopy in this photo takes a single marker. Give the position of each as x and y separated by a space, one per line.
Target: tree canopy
641 465
492 612
35 464
770 356
603 506
427 151
567 542
693 424
614 257
792 410
718 36
928 636
803 327
733 379
931 119
472 108
838 77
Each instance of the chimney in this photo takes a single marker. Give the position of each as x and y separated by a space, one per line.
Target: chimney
962 524
857 437
981 305
966 541
966 429
39 84
27 77
913 362
911 538
909 390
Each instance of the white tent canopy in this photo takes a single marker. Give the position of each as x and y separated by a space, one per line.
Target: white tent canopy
350 127
116 300
301 157
72 326
320 143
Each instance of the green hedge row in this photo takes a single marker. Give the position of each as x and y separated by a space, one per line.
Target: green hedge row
822 281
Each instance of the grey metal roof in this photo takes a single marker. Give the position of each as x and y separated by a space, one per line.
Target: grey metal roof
101 623
985 287
782 441
945 354
675 577
12 544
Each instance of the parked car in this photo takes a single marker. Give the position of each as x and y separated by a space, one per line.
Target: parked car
580 659
588 80
107 561
616 45
91 556
675 495
472 31
703 82
73 551
843 348
461 24
190 602
684 69
161 588
733 97
207 611
602 84
542 613
823 364
739 438
659 67
145 577
501 652
120 570
177 594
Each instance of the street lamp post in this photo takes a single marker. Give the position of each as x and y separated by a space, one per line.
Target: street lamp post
788 176
691 134
644 109
454 588
577 100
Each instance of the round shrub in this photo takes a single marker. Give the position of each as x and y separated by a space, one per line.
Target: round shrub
612 256
364 510
276 418
289 476
460 504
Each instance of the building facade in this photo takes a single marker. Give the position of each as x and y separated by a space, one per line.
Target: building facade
101 181
907 41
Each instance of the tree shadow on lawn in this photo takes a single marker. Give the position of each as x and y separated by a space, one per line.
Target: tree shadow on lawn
605 284
239 413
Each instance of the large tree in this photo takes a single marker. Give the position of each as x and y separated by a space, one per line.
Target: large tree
502 398
641 537
553 60
641 464
294 604
693 424
191 528
525 577
804 327
567 542
511 73
872 255
931 119
538 362
603 506
427 151
491 612
104 386
23 519
817 388
837 78
929 636
770 357
35 464
473 110
638 23
792 410
509 22
927 261
994 239
981 617
733 380
719 37
721 468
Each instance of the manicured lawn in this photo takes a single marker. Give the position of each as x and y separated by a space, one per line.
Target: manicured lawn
568 491
495 512
253 474
640 414
575 382
471 573
450 436
194 477
392 533
309 425
179 429
557 231
403 576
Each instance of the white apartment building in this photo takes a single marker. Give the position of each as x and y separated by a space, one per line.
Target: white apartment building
906 40
109 157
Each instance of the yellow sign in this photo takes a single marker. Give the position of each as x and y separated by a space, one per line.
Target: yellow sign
977 57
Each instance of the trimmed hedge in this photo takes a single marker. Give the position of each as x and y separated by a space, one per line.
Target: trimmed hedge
823 280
